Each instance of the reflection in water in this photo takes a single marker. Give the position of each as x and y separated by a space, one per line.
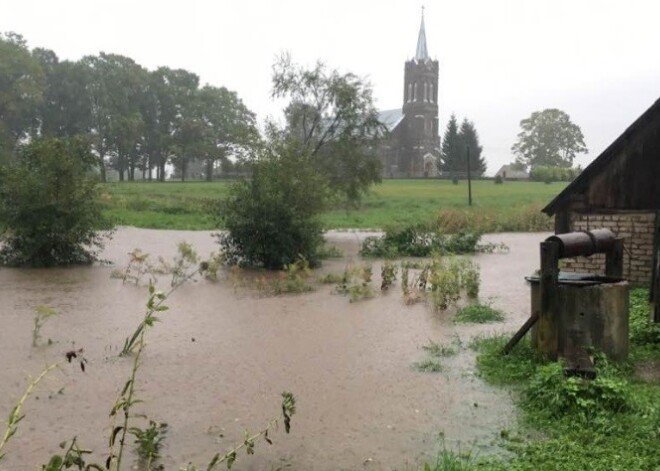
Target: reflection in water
217 363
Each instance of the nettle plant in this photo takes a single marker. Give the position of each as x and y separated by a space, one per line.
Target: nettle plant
442 282
148 434
356 283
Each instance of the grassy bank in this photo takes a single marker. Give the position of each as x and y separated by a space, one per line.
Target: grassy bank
513 206
611 423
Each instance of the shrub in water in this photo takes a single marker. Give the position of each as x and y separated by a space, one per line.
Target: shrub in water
271 220
50 212
419 240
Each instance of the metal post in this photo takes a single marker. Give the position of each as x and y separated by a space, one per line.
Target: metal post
469 177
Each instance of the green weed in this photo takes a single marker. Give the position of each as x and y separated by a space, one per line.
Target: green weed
356 283
331 278
41 314
149 441
478 314
388 275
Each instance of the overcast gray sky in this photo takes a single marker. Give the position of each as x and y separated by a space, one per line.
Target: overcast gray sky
499 60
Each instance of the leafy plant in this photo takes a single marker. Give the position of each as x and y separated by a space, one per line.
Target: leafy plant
387 275
558 395
73 458
149 441
355 282
418 240
41 314
294 278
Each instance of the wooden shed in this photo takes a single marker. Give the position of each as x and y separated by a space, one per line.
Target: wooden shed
619 190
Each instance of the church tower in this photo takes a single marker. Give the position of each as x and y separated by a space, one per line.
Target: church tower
420 110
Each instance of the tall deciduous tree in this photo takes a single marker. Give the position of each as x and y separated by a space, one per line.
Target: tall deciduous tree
228 127
65 110
549 138
334 121
21 91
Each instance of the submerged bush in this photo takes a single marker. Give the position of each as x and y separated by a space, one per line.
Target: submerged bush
50 212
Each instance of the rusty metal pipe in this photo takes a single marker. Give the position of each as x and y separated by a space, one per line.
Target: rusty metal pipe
573 244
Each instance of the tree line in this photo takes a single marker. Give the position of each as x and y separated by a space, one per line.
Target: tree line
136 120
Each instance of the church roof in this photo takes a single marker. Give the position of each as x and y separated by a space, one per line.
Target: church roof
422 53
390 118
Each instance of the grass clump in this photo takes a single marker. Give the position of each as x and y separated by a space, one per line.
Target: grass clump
438 350
478 314
434 352
429 365
448 460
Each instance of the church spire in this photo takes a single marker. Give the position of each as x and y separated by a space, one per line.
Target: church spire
422 53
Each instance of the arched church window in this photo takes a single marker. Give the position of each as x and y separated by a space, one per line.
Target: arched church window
432 99
409 92
426 91
415 91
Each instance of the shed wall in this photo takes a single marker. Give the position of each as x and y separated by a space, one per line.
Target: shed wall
635 227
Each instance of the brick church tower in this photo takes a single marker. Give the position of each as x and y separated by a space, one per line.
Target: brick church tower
414 143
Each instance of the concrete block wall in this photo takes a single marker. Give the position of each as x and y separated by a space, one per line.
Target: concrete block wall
636 228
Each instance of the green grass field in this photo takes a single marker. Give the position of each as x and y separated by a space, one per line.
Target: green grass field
513 206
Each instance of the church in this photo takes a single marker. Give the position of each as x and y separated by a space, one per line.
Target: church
413 143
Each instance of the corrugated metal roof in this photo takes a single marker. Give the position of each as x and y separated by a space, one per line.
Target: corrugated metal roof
390 118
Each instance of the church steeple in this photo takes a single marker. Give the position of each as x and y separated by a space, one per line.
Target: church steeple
422 53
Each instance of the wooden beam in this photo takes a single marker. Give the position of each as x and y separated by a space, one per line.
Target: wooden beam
520 334
547 334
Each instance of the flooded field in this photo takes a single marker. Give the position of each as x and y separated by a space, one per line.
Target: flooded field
217 363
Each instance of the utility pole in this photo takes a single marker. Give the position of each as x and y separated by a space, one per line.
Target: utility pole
469 177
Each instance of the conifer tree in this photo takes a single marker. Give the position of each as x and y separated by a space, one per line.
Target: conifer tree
468 136
449 157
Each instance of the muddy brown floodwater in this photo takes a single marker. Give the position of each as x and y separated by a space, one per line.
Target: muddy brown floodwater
217 363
